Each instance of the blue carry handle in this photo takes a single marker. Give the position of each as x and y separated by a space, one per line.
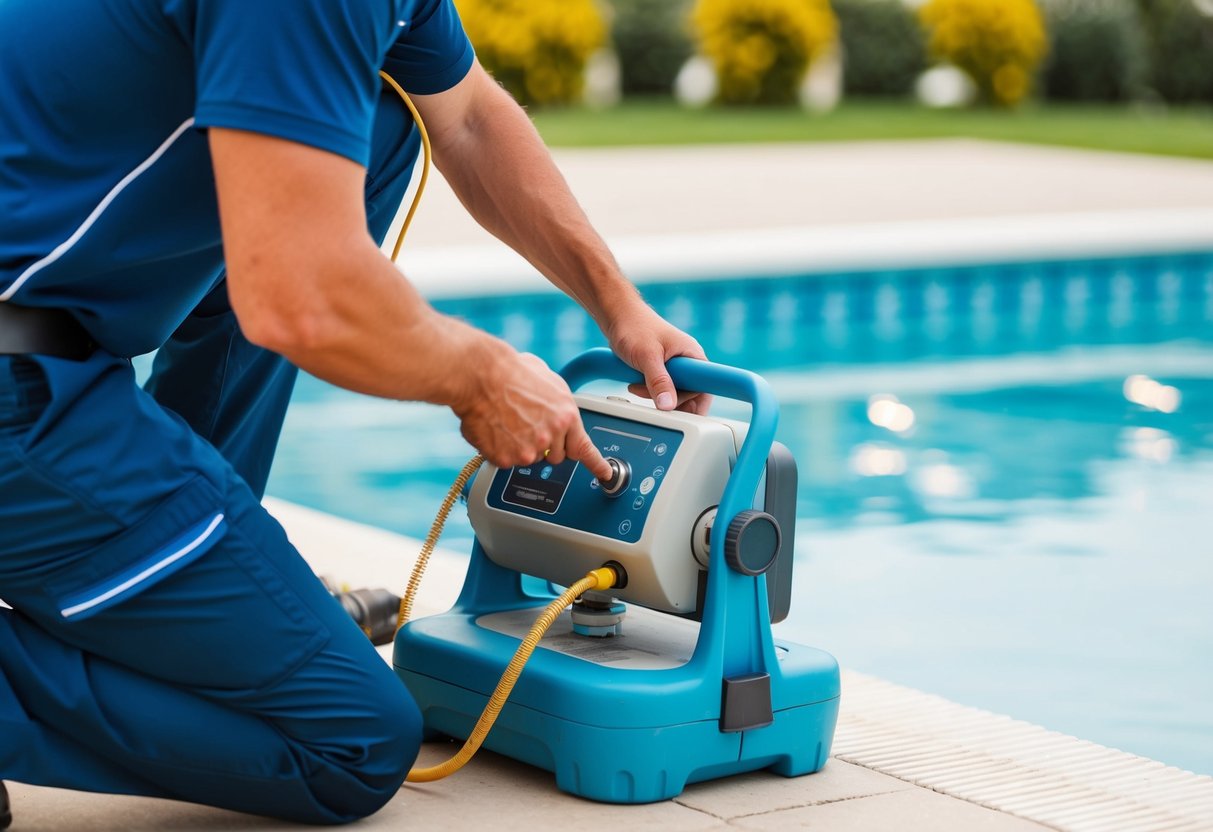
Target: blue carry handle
745 645
703 377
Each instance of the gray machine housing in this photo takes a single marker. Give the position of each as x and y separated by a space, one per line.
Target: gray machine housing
666 566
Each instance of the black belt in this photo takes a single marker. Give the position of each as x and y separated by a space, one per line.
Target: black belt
31 330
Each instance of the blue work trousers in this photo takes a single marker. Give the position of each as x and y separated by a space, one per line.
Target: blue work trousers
165 637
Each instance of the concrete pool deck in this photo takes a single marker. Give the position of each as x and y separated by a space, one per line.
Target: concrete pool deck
721 211
902 759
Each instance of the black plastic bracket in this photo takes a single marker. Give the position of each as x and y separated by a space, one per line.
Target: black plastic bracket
780 503
745 703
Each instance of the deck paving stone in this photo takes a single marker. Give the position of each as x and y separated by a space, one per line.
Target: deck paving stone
914 810
748 794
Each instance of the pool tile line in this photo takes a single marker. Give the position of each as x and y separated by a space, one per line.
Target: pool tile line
894 314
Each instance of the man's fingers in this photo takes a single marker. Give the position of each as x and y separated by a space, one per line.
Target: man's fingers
580 446
658 382
687 402
697 403
576 444
661 388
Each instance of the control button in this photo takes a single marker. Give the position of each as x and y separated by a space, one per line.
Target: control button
638 503
625 527
660 448
619 480
647 484
658 472
546 473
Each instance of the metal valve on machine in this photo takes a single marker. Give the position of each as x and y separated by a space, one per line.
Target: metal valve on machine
619 480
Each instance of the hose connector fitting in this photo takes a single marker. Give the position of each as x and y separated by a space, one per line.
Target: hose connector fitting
606 577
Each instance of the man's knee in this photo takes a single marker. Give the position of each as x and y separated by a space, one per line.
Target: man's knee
365 767
402 730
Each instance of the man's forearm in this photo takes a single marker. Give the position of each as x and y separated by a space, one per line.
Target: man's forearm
504 175
306 281
366 329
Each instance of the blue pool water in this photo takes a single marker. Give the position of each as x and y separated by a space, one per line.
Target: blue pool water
1006 475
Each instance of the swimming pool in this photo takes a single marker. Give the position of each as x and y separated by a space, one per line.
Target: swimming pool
1005 474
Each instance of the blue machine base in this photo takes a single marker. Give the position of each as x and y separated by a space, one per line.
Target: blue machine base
612 735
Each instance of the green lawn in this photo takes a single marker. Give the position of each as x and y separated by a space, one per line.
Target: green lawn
1173 132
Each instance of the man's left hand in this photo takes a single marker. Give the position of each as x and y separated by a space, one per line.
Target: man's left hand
645 341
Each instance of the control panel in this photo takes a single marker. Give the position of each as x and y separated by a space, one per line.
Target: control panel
570 496
558 522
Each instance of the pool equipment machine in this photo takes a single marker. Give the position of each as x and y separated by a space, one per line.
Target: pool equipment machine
672 677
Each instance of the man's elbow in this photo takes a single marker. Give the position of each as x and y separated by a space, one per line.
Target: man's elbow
285 335
283 322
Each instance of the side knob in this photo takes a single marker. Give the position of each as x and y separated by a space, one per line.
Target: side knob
752 542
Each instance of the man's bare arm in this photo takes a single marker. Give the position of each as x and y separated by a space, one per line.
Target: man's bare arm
498 166
306 280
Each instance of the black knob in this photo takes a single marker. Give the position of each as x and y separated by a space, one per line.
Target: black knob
619 479
752 542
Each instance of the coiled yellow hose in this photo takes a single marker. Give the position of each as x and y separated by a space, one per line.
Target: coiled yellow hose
598 579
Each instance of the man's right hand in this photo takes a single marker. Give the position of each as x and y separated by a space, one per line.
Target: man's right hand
516 409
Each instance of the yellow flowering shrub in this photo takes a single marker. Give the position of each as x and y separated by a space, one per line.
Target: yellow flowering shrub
537 49
761 49
999 43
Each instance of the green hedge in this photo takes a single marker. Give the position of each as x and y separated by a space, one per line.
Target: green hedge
1181 49
1097 50
882 46
652 40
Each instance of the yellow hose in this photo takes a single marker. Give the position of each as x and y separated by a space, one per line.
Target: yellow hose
597 579
425 166
603 578
431 540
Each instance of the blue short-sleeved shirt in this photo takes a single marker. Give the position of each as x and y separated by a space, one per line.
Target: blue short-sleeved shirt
107 198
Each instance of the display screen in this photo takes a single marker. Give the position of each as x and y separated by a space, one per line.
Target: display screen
619 443
540 486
